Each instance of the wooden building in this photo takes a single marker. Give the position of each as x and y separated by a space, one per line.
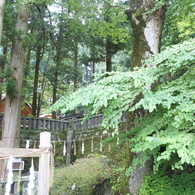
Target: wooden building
26 108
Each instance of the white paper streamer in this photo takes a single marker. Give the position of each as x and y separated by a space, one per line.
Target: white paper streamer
73 186
92 150
64 149
27 144
117 141
83 147
10 176
101 144
31 178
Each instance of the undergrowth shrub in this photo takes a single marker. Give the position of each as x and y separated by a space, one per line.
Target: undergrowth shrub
82 177
159 184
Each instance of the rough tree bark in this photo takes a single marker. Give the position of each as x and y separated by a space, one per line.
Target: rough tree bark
2 69
110 49
55 85
12 114
36 80
58 46
147 30
108 56
2 2
76 65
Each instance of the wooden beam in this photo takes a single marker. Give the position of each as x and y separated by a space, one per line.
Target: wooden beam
1 143
19 152
45 160
44 164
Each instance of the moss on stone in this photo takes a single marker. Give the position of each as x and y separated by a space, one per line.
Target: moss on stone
81 177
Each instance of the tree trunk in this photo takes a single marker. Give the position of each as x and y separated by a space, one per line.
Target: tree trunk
108 56
27 59
2 2
2 69
58 57
75 70
76 66
36 81
12 114
147 30
58 46
93 71
43 85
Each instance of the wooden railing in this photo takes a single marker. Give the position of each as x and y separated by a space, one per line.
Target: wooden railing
32 123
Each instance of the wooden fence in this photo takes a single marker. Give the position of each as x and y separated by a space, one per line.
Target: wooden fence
45 158
32 123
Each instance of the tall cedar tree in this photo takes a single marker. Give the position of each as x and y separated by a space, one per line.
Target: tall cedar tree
12 114
2 2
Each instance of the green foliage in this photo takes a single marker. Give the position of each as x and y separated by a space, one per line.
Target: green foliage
157 5
8 22
170 102
41 1
172 108
158 184
101 19
94 170
119 158
84 174
177 29
112 94
10 83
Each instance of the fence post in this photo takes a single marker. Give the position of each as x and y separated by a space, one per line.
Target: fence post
44 164
69 143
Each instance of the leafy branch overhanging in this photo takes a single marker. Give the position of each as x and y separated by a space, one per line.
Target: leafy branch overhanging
171 105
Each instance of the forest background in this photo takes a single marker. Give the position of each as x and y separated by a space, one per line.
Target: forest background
59 46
